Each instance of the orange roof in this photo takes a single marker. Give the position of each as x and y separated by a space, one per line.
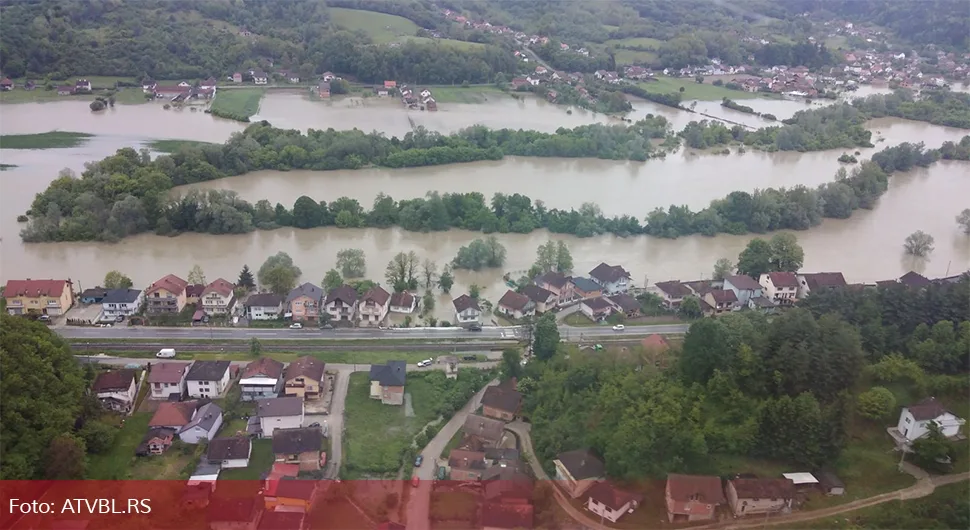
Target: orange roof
34 288
221 286
173 414
170 283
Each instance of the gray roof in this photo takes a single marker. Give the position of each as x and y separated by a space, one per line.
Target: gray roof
121 296
485 428
207 371
229 448
743 282
308 290
537 294
344 293
264 300
394 373
284 406
294 441
205 417
585 284
581 464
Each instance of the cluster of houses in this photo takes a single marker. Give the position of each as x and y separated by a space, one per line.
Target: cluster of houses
604 292
182 91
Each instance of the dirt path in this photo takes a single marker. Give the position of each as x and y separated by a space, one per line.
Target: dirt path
336 421
924 486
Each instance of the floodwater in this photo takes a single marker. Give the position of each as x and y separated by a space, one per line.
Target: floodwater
867 247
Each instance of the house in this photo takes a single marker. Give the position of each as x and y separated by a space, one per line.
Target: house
578 470
260 77
544 299
218 297
207 379
692 498
760 303
914 420
702 287
173 414
237 77
193 293
596 309
264 306
208 84
519 82
292 77
304 378
280 520
913 279
230 453
503 457
6 84
290 496
82 85
584 288
279 413
721 300
261 379
373 306
558 284
93 295
38 297
467 311
755 496
380 91
116 389
341 304
502 402
506 485
484 430
390 84
609 502
323 90
403 302
299 446
625 304
234 513
673 293
167 295
156 441
387 382
745 288
65 90
204 425
809 282
303 302
780 287
497 516
328 76
803 481
830 483
466 465
121 303
613 278
515 305
167 378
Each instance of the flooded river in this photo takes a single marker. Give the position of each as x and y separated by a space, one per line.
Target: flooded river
867 247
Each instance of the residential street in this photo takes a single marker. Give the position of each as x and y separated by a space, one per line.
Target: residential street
494 357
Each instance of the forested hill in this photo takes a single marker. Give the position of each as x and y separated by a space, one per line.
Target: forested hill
189 39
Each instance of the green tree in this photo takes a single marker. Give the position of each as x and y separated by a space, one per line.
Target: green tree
964 221
429 270
65 458
723 268
401 271
42 386
511 365
351 263
246 278
786 254
196 276
427 303
705 350
446 280
755 259
918 244
98 436
278 273
307 213
876 403
932 451
545 338
117 280
553 256
255 347
690 308
332 280
475 291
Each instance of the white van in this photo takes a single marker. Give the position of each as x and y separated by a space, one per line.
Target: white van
165 353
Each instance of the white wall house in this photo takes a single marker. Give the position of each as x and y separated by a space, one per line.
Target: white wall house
373 306
207 379
613 278
218 297
610 503
780 287
229 453
341 304
279 413
914 420
121 303
204 425
264 306
167 378
744 287
467 311
403 302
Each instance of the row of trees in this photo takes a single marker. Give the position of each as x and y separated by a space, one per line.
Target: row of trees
939 107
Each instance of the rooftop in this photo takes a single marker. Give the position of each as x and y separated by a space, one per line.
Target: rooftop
609 273
121 296
464 302
113 380
502 398
394 373
514 300
263 367
484 428
585 284
307 289
306 366
743 282
34 288
764 488
702 488
615 499
581 464
170 283
295 441
674 289
344 293
207 371
283 406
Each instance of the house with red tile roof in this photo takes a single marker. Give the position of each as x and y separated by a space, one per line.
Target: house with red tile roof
116 389
218 297
780 287
167 378
818 281
167 295
692 498
173 414
38 297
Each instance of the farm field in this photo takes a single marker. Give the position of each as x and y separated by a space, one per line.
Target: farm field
695 90
237 104
386 29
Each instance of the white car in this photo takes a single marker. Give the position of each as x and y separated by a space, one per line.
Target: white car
296 325
619 327
425 363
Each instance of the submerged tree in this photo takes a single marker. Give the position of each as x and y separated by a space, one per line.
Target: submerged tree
918 244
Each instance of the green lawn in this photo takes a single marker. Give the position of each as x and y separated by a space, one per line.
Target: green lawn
645 42
626 57
694 90
459 44
380 27
237 103
130 96
472 94
48 140
117 462
375 434
580 320
260 461
177 463
171 146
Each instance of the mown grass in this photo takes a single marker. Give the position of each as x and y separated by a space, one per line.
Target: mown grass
380 27
260 461
472 94
171 146
237 104
48 140
694 90
627 57
458 44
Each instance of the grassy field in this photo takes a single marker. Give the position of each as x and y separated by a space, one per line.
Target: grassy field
238 103
260 461
459 44
644 42
580 320
627 57
177 463
694 90
48 140
380 27
472 94
117 462
376 434
171 146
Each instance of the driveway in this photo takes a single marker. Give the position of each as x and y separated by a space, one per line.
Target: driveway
335 421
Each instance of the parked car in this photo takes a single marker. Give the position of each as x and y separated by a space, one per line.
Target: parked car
44 318
315 424
165 353
296 325
425 363
619 327
469 358
475 327
418 460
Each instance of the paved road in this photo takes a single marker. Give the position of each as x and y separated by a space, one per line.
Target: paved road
570 333
493 357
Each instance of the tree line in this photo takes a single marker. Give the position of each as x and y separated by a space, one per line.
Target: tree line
939 107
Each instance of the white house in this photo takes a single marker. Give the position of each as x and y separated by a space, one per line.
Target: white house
745 288
116 389
167 378
264 306
467 311
596 309
229 453
403 302
207 379
218 297
544 299
341 304
780 287
121 303
613 278
279 413
516 305
578 470
204 425
756 496
261 379
260 78
610 503
914 420
373 306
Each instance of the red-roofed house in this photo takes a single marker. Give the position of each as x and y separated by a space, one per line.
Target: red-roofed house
609 502
692 498
166 295
721 300
218 297
38 297
167 378
173 415
516 305
116 389
780 287
373 306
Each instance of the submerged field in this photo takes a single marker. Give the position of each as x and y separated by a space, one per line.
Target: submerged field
237 103
48 140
